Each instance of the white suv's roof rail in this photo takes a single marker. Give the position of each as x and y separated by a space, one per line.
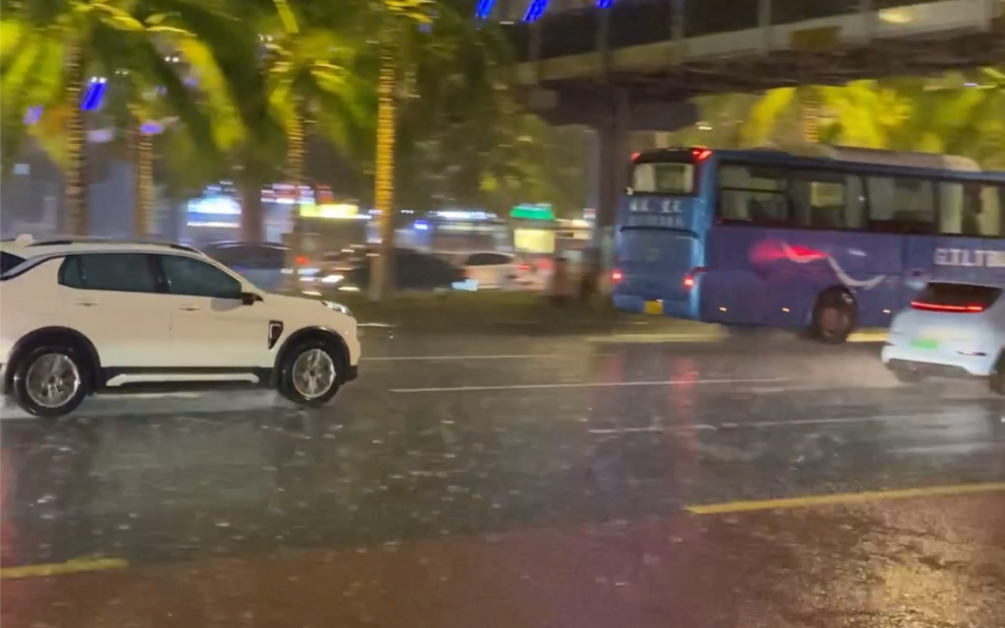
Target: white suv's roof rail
71 240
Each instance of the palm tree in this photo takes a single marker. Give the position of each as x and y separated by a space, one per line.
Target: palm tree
961 114
309 83
50 48
396 24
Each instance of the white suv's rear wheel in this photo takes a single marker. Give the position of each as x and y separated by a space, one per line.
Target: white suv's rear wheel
311 373
50 381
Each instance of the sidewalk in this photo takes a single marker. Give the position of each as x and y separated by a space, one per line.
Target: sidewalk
489 313
500 313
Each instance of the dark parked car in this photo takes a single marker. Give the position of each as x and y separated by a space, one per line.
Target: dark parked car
261 263
413 270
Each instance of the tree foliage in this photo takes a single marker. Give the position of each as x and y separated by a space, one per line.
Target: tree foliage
959 113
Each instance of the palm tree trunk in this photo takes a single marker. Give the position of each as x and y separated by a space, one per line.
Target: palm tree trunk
381 278
252 210
76 220
294 177
810 113
143 182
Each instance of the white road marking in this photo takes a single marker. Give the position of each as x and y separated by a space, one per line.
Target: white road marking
952 448
416 358
382 325
851 419
150 395
762 424
672 382
650 430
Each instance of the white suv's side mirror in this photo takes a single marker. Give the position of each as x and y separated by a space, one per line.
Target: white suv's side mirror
250 298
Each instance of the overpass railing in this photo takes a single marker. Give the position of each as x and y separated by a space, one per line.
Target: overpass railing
637 22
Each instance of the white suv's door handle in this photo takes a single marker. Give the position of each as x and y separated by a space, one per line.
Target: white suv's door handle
189 308
86 303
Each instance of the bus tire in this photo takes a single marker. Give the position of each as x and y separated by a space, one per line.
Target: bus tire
834 316
906 375
996 381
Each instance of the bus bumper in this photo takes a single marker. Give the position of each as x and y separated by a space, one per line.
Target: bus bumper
685 308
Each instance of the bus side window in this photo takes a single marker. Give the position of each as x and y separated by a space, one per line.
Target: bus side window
819 199
992 206
901 205
854 211
950 208
970 209
759 197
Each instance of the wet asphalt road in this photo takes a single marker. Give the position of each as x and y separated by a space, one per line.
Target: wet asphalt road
519 482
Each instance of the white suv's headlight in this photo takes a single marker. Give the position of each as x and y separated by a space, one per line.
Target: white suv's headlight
338 307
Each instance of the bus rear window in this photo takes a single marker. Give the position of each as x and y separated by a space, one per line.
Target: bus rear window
959 295
663 178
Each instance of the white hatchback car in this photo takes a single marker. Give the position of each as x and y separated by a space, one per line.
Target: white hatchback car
79 316
951 329
490 270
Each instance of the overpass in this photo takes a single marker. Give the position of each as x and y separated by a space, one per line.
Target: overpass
633 65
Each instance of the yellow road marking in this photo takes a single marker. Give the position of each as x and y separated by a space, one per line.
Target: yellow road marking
868 336
708 335
811 501
57 569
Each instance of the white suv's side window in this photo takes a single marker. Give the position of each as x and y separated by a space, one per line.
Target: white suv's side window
115 272
192 277
113 299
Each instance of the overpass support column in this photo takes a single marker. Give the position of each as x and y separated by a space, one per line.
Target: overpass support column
612 167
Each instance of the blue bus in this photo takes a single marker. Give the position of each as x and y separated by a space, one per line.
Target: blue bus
828 241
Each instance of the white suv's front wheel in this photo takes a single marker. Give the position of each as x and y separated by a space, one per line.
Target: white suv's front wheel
50 381
311 373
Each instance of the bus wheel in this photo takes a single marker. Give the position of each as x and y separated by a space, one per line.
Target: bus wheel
996 382
744 331
833 316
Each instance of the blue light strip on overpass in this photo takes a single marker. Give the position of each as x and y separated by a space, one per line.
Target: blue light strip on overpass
534 10
93 94
32 115
603 4
484 8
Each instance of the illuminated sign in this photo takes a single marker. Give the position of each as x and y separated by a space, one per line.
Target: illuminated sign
332 210
532 212
463 214
216 205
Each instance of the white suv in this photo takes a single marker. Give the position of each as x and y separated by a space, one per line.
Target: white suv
80 316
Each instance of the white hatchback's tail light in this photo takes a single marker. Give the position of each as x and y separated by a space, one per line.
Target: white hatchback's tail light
937 307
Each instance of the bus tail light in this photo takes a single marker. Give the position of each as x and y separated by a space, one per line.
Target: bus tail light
701 154
935 307
691 277
616 276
